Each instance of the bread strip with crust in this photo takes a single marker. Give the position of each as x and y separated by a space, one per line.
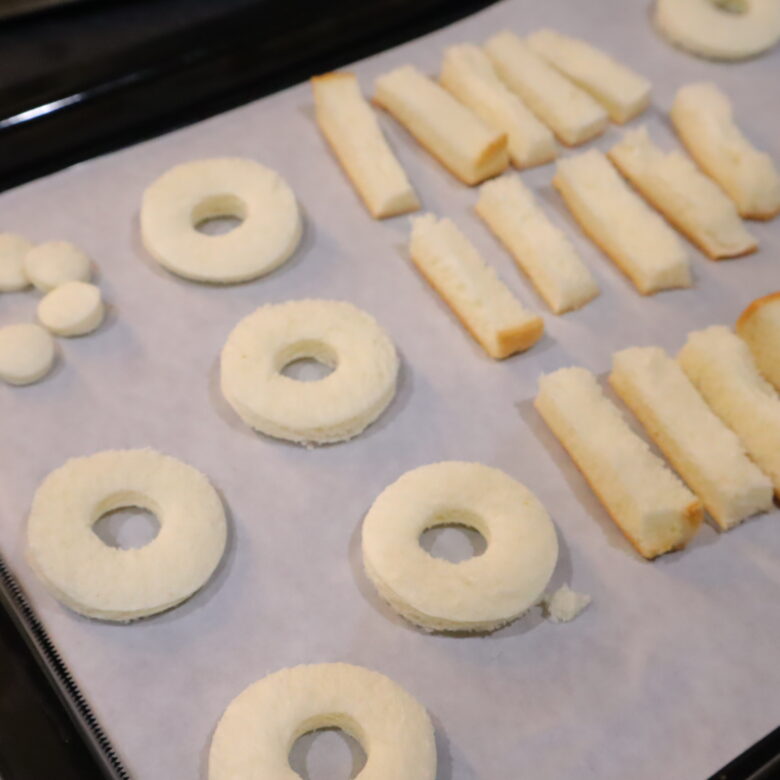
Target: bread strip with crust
694 204
539 248
759 327
466 72
471 288
650 505
623 92
570 112
455 136
639 242
706 454
704 120
350 127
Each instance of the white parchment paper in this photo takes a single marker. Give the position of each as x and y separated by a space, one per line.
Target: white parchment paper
673 669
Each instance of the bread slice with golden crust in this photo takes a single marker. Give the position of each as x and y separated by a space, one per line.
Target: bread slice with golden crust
471 288
759 327
453 134
350 127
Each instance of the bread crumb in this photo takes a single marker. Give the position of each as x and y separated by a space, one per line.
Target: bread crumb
564 605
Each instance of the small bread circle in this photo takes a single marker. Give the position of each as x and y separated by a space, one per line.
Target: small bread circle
54 263
720 29
186 195
335 408
110 583
482 593
72 309
254 736
26 353
13 248
759 327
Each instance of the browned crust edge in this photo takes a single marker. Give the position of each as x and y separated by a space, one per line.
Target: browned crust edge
753 307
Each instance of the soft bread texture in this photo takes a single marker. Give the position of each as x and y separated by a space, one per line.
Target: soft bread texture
471 288
570 112
736 30
110 583
693 203
639 242
624 93
350 127
721 367
72 309
54 263
27 353
253 738
13 248
540 249
565 604
482 593
467 73
655 511
452 133
703 117
706 454
759 327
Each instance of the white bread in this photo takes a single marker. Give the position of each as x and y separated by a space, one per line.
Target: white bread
706 454
540 249
694 204
640 243
350 127
654 510
570 112
759 327
624 93
703 117
721 367
471 288
467 73
455 136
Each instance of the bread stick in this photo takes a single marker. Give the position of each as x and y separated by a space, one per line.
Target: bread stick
624 93
639 242
759 327
350 127
467 73
721 367
570 112
705 453
694 204
539 248
703 118
471 288
458 138
650 505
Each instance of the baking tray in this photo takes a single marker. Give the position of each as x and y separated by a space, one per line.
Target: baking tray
679 653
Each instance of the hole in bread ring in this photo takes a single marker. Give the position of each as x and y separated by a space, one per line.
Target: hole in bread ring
258 729
102 581
334 408
218 214
479 594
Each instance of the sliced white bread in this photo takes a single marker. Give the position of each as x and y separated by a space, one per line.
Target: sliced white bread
570 112
654 510
350 127
452 133
539 248
704 120
705 453
721 367
759 327
623 92
466 72
691 201
471 288
639 242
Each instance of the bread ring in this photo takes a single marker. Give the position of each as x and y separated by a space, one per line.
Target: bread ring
188 194
332 409
482 593
114 584
720 29
254 737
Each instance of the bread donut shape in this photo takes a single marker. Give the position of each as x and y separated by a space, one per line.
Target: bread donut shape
253 738
482 593
186 195
110 583
720 29
332 409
